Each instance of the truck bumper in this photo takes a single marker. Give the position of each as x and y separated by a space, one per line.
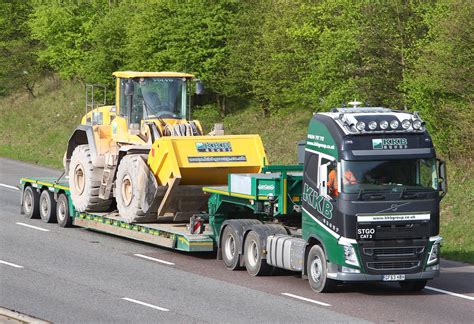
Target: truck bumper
335 274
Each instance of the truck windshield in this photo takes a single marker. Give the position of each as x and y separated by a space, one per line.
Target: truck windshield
159 98
389 175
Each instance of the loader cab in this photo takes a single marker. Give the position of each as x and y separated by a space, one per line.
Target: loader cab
150 97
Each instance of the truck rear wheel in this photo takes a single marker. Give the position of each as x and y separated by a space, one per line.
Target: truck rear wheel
317 271
254 263
413 285
47 207
31 203
62 211
230 248
84 182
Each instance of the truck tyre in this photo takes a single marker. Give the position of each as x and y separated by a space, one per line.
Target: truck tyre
130 186
31 202
47 207
254 263
230 248
62 211
413 285
84 182
317 271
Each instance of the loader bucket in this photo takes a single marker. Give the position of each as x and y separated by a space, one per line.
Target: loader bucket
183 165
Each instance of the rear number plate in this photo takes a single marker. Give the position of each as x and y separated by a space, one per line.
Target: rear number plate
393 277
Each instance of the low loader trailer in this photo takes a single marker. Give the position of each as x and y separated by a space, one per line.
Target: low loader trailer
362 204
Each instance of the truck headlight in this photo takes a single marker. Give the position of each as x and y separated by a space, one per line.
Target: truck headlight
434 253
406 124
384 124
360 126
417 124
394 124
350 255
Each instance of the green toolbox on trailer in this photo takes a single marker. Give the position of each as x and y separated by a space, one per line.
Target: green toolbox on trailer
362 205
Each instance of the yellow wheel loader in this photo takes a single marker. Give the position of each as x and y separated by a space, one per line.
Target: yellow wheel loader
147 155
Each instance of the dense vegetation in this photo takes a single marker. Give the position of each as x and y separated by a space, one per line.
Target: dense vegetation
267 65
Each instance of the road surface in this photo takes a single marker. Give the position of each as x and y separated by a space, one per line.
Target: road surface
67 275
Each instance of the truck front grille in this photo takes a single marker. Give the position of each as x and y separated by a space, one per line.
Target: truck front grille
394 252
396 266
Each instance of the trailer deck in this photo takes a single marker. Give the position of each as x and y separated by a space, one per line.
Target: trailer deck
169 235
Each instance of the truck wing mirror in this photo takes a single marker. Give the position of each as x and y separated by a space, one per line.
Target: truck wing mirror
442 182
199 87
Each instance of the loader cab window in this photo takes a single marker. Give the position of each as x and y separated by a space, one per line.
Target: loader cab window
154 98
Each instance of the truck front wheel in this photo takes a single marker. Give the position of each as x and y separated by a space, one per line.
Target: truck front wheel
230 248
317 271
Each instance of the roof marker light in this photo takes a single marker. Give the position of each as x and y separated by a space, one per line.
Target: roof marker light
360 126
406 124
417 124
372 125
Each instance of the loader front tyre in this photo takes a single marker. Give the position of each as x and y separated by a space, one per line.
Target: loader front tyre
30 202
230 248
130 185
47 207
84 182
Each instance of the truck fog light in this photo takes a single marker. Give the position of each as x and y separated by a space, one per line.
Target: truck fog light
433 268
394 124
406 124
350 270
360 126
372 125
417 124
384 124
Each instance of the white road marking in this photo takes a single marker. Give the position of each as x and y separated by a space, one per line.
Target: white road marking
306 299
450 293
11 264
9 187
153 259
34 227
146 304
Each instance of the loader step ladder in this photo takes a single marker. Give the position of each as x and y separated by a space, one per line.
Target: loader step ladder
107 180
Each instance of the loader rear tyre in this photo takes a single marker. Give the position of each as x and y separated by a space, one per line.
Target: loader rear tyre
128 189
412 285
253 256
317 271
47 207
62 211
30 204
84 182
230 248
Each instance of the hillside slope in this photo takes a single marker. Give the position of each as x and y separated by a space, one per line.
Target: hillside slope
37 129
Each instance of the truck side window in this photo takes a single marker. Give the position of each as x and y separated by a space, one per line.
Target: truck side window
329 180
311 169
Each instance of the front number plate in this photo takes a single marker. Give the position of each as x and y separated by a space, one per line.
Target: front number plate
393 277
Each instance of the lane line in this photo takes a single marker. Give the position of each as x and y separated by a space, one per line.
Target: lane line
11 264
9 187
153 259
306 299
146 304
450 293
34 227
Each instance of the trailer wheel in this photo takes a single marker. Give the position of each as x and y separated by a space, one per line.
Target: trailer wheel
84 182
317 271
47 207
230 248
62 211
31 203
254 263
413 285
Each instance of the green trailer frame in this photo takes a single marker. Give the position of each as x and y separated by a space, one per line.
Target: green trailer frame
173 236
